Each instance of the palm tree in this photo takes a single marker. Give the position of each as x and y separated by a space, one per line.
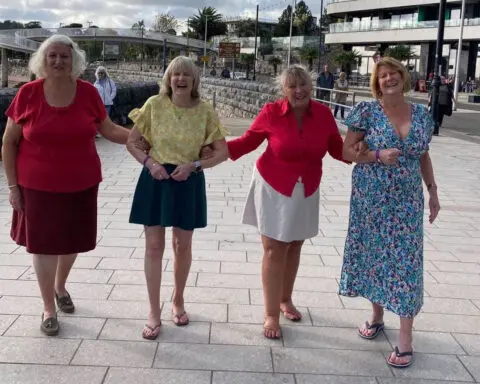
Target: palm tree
399 52
139 26
275 61
215 23
346 59
309 54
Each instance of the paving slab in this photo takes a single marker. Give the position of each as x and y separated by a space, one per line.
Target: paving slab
101 342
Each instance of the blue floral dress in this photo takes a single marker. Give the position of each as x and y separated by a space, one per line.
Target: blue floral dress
383 259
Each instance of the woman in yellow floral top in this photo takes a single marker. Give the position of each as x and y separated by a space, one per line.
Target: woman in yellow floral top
171 188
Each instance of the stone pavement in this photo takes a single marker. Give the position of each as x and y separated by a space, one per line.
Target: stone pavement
101 342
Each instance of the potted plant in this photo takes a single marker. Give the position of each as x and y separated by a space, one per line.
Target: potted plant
474 98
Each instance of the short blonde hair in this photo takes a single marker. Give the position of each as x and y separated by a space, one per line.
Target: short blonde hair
180 63
396 66
37 61
298 72
342 74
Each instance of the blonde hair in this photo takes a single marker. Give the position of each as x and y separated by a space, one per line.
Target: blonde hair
396 66
37 61
342 74
298 72
180 63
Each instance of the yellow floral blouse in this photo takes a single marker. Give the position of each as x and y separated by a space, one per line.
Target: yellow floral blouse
176 134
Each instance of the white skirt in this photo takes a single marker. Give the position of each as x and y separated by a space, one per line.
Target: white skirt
278 216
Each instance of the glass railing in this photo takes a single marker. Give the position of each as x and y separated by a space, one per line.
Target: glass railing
387 24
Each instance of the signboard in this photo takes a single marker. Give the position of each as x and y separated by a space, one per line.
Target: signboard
111 48
229 50
204 59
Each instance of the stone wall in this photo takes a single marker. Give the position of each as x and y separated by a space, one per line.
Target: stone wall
242 99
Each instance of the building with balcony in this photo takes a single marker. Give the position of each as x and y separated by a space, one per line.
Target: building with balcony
369 26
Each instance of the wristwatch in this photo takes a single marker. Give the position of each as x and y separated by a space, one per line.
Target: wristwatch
198 166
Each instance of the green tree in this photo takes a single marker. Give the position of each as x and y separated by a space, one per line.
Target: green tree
245 28
33 25
309 54
275 61
283 26
215 24
73 25
247 59
399 52
265 49
346 59
304 20
11 24
165 23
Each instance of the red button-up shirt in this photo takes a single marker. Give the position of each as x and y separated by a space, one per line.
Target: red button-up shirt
291 153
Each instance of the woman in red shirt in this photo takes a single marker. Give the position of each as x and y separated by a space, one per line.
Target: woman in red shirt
283 201
53 169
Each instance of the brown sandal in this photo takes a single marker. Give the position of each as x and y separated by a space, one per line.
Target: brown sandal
151 333
177 319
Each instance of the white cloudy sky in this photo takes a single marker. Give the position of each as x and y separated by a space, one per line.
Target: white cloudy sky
123 13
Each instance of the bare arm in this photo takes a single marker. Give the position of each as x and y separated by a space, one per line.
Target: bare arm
114 132
219 153
133 141
350 152
11 139
428 175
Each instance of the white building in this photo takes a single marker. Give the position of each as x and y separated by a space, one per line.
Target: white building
368 25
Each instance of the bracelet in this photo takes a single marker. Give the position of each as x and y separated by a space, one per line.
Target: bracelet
430 186
145 160
377 156
12 186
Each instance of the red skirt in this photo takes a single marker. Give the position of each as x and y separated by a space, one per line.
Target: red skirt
56 223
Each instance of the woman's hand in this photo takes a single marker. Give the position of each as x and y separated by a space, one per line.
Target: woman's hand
15 198
433 204
182 172
158 171
206 153
361 148
390 156
143 145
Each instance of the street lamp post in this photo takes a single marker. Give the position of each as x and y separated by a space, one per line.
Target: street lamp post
320 35
205 48
459 53
438 59
290 35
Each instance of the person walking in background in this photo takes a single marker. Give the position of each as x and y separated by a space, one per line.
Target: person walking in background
383 258
341 97
283 201
171 188
53 169
326 81
106 88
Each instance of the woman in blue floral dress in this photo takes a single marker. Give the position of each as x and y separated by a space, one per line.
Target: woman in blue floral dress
383 260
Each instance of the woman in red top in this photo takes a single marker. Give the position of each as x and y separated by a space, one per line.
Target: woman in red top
53 169
283 202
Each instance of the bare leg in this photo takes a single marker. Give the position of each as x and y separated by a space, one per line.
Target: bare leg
65 264
377 318
290 274
182 249
45 268
273 270
155 246
404 341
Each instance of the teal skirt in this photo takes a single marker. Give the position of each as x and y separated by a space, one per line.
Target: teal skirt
170 203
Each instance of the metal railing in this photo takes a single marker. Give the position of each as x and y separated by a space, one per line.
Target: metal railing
318 92
388 24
